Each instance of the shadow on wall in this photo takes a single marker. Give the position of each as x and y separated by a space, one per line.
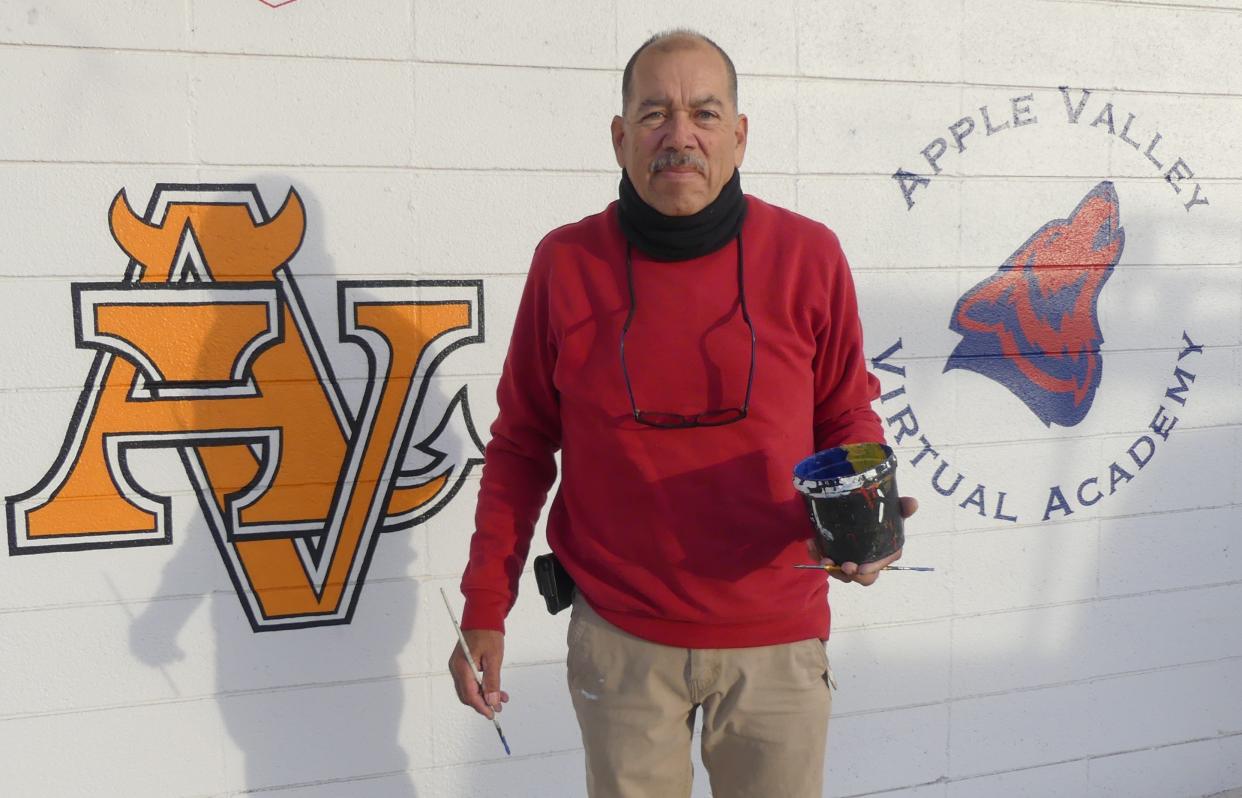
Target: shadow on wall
1033 642
322 706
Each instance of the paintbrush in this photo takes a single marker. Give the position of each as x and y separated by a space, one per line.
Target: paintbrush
885 568
478 675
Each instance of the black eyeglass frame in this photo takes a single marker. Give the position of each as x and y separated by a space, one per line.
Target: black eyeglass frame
727 415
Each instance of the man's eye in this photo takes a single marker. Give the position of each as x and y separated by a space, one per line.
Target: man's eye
652 116
708 115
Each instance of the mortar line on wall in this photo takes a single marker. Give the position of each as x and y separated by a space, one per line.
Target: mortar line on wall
289 688
947 176
1183 93
256 691
1089 680
1086 760
556 171
355 169
909 271
421 579
1151 4
323 782
1093 757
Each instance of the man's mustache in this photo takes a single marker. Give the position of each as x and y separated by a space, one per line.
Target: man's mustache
678 160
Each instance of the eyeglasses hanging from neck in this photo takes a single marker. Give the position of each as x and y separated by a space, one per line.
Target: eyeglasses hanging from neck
708 418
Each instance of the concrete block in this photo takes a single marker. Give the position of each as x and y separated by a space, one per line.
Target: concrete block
358 222
170 649
1023 566
507 225
1169 482
1164 707
129 107
934 790
759 39
529 129
384 785
778 190
1067 778
899 597
1024 648
538 719
501 294
909 305
168 739
139 24
873 128
1189 770
1204 539
57 580
890 667
873 752
770 104
1161 231
38 343
1163 630
449 532
1135 386
56 225
286 103
304 736
1040 56
539 776
1003 132
524 33
1012 731
877 232
1155 309
1144 52
881 40
1189 126
366 29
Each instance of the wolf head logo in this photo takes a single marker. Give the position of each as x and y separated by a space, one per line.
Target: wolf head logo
1032 325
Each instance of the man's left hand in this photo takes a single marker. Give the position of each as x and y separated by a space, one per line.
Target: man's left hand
866 573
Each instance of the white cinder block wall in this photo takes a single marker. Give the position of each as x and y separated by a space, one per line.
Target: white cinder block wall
1083 647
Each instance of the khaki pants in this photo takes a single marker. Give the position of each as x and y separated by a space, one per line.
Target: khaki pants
765 714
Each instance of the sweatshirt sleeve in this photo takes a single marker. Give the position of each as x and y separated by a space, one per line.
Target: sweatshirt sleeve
844 389
518 464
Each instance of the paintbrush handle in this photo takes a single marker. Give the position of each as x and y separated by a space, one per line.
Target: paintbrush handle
885 568
478 675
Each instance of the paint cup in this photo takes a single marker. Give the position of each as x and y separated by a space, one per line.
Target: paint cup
851 494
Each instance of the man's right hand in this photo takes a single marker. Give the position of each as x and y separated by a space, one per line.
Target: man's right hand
488 647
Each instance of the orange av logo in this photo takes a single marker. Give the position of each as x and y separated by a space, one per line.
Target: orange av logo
207 348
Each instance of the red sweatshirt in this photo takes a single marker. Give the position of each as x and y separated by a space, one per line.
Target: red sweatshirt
683 537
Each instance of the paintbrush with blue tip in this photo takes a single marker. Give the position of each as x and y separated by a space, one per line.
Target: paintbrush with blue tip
465 649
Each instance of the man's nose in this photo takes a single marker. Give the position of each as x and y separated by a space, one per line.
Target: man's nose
680 133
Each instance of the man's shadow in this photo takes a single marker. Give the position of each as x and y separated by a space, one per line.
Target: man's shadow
304 705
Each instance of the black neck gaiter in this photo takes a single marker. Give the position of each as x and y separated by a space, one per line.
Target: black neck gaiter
681 237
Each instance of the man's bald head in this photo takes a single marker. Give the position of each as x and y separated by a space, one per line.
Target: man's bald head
670 41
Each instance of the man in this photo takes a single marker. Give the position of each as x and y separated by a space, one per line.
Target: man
683 349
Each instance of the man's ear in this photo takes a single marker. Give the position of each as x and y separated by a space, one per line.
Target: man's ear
618 138
740 134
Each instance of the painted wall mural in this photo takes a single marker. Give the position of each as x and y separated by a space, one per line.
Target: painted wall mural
206 348
1033 326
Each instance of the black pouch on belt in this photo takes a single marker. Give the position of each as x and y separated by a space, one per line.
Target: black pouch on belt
555 584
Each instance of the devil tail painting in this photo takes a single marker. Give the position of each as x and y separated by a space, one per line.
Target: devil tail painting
1032 326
